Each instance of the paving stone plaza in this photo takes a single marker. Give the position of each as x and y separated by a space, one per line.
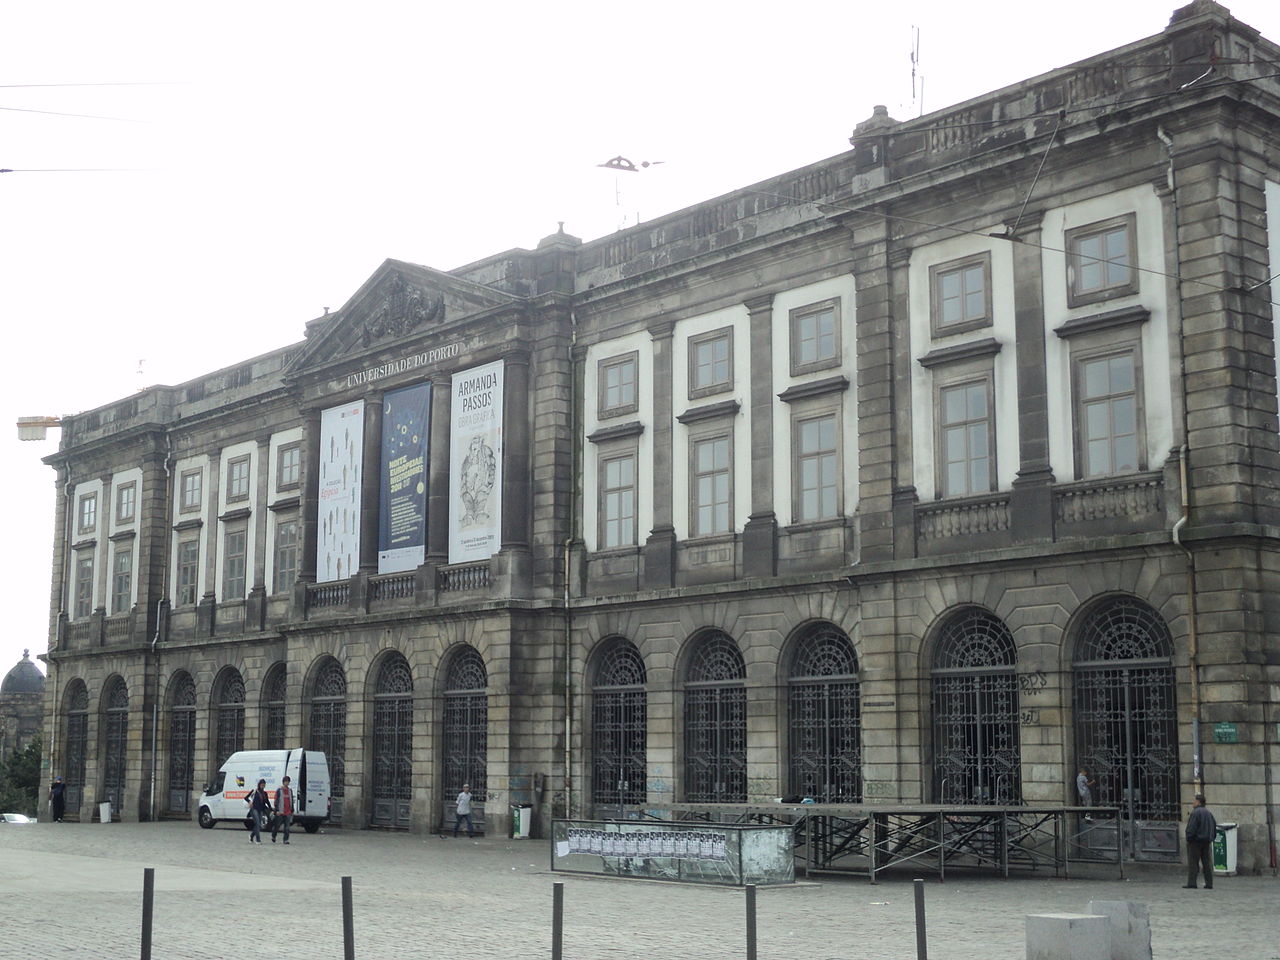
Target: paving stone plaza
76 890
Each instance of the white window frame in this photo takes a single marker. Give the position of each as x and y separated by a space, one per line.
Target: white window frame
961 268
799 318
712 431
604 369
281 571
238 483
126 502
1077 293
699 342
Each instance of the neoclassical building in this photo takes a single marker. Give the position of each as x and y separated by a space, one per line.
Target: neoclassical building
929 472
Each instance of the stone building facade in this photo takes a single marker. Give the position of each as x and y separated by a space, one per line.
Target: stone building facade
21 706
930 472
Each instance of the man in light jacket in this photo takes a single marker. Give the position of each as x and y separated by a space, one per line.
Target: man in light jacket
1201 830
284 809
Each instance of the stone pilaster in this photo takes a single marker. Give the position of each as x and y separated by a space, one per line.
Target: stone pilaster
370 482
660 547
760 535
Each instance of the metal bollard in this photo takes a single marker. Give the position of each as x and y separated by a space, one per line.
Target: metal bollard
922 947
557 920
348 931
751 921
148 904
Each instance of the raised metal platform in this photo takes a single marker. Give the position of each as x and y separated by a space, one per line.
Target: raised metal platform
866 839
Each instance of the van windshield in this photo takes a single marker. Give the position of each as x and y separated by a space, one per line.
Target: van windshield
218 780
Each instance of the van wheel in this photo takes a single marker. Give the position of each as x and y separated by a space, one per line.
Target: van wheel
311 826
206 818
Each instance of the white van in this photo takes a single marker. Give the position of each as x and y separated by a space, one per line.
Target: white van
308 772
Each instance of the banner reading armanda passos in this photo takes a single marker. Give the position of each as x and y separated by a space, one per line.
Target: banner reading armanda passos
475 464
402 509
338 520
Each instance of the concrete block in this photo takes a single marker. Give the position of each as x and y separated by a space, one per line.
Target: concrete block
1068 936
1130 928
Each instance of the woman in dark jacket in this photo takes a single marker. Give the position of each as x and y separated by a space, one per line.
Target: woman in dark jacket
259 809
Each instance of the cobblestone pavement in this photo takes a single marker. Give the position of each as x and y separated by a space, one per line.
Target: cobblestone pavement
76 890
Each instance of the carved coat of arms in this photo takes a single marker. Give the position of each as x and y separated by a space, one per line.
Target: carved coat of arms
402 308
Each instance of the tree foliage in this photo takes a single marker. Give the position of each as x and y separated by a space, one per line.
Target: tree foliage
20 780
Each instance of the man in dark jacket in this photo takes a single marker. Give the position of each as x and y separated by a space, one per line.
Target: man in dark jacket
1201 829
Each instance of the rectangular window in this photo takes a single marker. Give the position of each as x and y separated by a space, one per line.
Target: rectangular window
238 479
618 501
88 514
188 571
190 485
815 337
711 486
126 502
84 585
1101 261
965 438
1108 414
960 295
285 567
235 547
618 385
710 362
122 579
289 466
817 469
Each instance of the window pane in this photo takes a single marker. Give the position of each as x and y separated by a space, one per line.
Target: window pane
1094 379
1096 421
1126 454
1124 416
1097 457
956 479
827 433
978 440
953 405
979 475
1121 370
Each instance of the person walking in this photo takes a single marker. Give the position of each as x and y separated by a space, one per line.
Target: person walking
1201 830
57 799
259 807
284 809
1084 787
464 811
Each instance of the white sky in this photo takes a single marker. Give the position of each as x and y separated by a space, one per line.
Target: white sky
293 147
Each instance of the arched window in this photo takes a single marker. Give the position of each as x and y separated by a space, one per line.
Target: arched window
393 743
182 742
229 699
976 756
715 722
273 696
618 726
77 736
1126 716
466 725
329 727
825 727
115 715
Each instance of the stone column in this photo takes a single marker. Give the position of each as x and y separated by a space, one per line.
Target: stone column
205 609
513 569
438 471
60 578
370 482
760 535
1031 501
310 510
255 608
155 536
660 547
105 569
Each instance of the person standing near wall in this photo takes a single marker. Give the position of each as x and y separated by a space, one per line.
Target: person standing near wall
57 799
1201 829
464 811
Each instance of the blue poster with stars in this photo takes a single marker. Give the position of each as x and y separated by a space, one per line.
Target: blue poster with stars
402 508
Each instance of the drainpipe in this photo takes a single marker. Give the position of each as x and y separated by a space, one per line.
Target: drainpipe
1175 534
575 429
161 604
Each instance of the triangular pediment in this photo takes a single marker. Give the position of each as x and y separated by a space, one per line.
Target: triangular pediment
400 301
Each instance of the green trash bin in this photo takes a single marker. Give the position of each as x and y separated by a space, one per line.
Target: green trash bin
1224 850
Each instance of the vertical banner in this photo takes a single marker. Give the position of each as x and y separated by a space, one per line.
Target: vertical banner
402 508
338 519
475 464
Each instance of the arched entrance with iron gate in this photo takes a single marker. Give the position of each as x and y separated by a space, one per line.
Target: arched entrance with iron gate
229 717
328 728
115 742
619 726
393 743
715 721
273 708
182 742
465 731
1126 724
75 743
824 718
976 753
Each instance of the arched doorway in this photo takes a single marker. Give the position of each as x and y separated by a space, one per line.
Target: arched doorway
115 741
715 722
273 705
976 753
1126 731
75 744
229 724
329 727
182 742
618 726
825 740
465 750
393 743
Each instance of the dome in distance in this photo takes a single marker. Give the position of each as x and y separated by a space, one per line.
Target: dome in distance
25 677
